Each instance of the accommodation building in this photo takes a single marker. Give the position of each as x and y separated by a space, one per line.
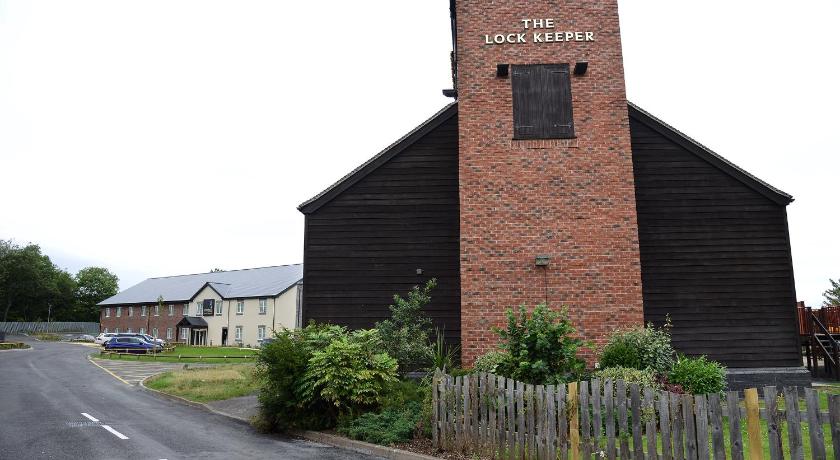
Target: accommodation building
237 307
542 183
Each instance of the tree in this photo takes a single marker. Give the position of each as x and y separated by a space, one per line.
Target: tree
406 336
93 285
30 284
832 295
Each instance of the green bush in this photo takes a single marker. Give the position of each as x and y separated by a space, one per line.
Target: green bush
444 356
489 362
388 427
540 349
640 348
620 354
312 375
698 375
644 378
407 334
351 373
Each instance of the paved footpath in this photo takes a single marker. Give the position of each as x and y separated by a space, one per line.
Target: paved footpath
133 372
55 404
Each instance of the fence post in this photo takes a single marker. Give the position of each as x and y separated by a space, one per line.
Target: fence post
584 420
834 419
595 386
665 424
609 401
794 427
551 394
574 435
733 413
690 427
716 421
435 412
636 414
774 429
702 424
621 397
814 425
753 427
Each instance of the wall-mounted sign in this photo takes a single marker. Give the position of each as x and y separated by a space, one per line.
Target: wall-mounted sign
207 307
539 31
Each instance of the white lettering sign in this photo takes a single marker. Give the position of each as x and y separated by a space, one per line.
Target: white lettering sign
538 37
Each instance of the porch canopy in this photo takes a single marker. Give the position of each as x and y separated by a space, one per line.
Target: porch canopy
194 325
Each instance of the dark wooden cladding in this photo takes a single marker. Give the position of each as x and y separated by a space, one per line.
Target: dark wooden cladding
715 256
366 243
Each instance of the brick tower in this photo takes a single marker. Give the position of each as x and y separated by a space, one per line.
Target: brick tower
548 211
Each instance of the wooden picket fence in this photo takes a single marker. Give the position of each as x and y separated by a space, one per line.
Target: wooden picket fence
496 417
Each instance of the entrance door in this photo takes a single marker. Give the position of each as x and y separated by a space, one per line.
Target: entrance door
199 337
224 336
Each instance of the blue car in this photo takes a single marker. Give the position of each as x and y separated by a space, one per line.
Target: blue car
129 345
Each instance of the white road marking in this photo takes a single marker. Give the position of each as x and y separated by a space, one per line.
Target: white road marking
89 417
115 432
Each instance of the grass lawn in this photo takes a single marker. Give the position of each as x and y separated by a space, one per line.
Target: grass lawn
207 383
188 354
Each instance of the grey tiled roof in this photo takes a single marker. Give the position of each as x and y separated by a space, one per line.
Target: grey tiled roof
251 282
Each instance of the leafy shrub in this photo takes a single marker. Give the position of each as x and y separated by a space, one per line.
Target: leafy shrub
640 348
388 427
444 356
351 373
620 354
406 335
312 375
645 378
698 375
489 362
539 349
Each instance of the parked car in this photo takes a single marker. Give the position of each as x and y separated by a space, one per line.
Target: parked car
102 338
129 345
84 338
150 339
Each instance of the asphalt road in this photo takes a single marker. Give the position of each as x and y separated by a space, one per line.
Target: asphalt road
54 404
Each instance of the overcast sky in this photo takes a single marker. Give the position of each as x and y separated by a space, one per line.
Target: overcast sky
169 137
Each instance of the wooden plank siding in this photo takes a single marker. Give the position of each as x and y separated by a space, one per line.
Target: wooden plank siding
366 244
715 256
714 244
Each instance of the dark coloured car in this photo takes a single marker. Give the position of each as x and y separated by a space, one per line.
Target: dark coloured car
129 345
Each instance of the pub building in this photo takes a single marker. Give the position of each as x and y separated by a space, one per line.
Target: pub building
541 183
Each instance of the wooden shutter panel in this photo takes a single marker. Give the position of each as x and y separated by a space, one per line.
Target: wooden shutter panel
542 101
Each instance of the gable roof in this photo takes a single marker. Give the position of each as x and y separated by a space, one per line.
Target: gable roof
700 150
251 282
313 204
635 112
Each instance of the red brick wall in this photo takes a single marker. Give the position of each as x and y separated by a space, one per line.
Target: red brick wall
570 199
148 322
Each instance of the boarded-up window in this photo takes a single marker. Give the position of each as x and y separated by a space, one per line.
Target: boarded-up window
542 102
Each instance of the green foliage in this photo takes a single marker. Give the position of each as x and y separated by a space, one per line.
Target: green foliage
32 288
406 335
698 375
539 349
640 348
282 365
620 354
93 285
387 428
489 362
351 373
443 355
645 378
832 295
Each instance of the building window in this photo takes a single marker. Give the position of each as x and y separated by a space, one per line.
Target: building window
185 334
142 310
129 330
105 330
157 310
263 306
260 332
107 312
218 308
116 330
238 333
155 332
198 308
240 307
130 312
542 102
119 312
171 310
168 333
142 330
186 309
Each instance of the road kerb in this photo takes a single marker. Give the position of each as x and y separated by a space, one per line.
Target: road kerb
314 436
